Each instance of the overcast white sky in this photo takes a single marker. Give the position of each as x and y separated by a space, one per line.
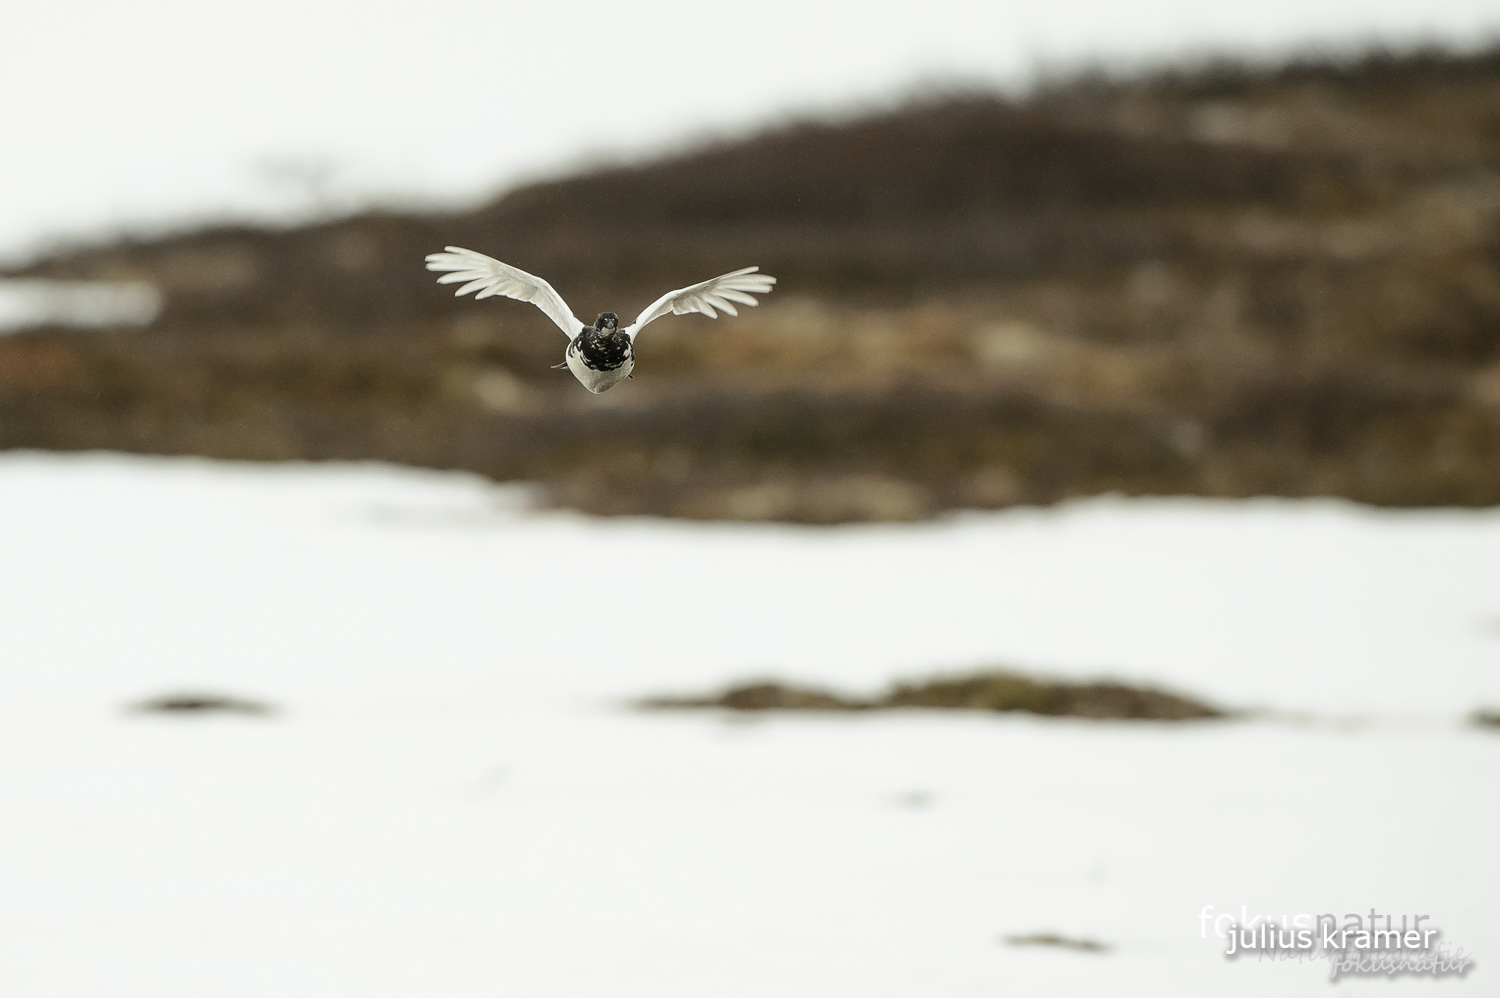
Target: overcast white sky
161 112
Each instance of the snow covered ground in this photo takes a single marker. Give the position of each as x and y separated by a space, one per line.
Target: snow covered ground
451 799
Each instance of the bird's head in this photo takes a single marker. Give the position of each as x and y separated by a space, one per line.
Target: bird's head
606 322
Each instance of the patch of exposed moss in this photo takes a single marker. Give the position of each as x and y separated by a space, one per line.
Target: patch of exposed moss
1052 939
761 696
987 691
201 703
1485 719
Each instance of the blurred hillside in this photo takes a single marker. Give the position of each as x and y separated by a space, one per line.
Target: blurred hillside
1224 281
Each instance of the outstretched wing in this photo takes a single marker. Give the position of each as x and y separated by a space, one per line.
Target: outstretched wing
719 293
489 277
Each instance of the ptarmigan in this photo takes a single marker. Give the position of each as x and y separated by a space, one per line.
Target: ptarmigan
601 355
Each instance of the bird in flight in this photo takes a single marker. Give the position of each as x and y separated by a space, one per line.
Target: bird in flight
602 355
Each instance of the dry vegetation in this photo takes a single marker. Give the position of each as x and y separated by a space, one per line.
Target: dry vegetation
201 704
1219 282
996 691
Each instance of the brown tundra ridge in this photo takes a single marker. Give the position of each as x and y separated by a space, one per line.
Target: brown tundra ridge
1219 280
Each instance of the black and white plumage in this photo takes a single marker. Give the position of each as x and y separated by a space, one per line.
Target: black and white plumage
601 355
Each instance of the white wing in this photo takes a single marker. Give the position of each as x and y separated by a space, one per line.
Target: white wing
489 277
719 293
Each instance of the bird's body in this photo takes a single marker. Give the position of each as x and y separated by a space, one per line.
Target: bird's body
600 358
602 355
